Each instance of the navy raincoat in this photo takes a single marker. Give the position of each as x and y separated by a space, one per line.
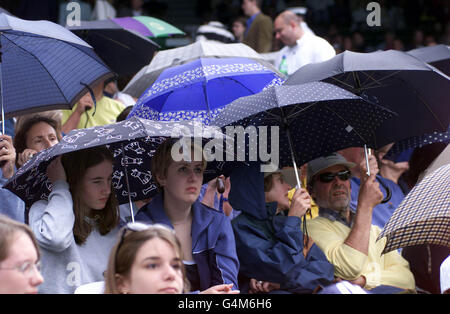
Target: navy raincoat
213 245
269 246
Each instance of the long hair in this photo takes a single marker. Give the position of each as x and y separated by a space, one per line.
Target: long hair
123 254
76 165
8 230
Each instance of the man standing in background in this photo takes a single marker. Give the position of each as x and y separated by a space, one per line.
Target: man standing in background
258 34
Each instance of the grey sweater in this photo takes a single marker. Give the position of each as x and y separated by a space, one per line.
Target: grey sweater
65 264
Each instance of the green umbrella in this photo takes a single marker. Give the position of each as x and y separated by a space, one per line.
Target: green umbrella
148 26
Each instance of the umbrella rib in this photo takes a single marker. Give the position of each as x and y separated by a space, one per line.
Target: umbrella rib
337 115
375 81
37 59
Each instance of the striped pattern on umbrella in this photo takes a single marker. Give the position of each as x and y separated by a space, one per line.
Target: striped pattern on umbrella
424 214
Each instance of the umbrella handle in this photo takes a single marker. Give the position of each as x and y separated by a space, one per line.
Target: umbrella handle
367 152
388 192
220 186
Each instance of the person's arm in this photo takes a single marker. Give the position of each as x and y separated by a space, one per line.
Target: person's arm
85 103
52 221
369 196
226 256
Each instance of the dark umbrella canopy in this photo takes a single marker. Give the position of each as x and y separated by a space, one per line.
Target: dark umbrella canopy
132 143
44 66
123 50
411 88
438 56
321 118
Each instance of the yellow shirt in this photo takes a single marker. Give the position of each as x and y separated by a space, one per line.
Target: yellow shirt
106 113
349 264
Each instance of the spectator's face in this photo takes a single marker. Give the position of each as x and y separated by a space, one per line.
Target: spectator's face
279 192
97 185
334 195
155 270
284 32
41 136
247 6
21 275
183 181
238 29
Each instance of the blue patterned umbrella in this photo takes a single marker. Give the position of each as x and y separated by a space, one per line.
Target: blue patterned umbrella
201 88
44 66
314 119
132 143
424 214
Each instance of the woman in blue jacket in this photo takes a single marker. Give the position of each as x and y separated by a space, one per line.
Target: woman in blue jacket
206 235
269 239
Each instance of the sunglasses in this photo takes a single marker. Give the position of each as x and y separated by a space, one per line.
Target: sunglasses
327 177
138 227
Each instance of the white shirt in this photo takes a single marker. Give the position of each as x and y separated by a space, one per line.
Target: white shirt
309 49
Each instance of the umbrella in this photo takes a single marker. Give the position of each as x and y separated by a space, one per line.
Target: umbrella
148 26
314 119
417 92
438 56
176 56
423 217
132 143
417 141
201 88
124 50
44 66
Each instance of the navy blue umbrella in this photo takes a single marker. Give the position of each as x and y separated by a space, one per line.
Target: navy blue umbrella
123 50
418 93
314 119
438 56
201 88
44 66
132 143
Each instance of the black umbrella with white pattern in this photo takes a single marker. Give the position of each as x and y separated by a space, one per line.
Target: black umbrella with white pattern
132 143
314 119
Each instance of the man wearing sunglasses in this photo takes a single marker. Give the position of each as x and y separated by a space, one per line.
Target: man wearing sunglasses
348 238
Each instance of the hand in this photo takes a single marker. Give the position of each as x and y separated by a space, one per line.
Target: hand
7 156
24 156
373 165
257 286
221 289
300 203
55 171
85 103
370 194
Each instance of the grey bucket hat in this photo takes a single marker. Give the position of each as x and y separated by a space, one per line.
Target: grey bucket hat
317 165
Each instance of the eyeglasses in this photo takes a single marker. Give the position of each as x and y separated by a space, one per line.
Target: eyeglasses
327 177
27 268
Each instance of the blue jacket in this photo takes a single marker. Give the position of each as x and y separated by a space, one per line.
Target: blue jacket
213 245
269 246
